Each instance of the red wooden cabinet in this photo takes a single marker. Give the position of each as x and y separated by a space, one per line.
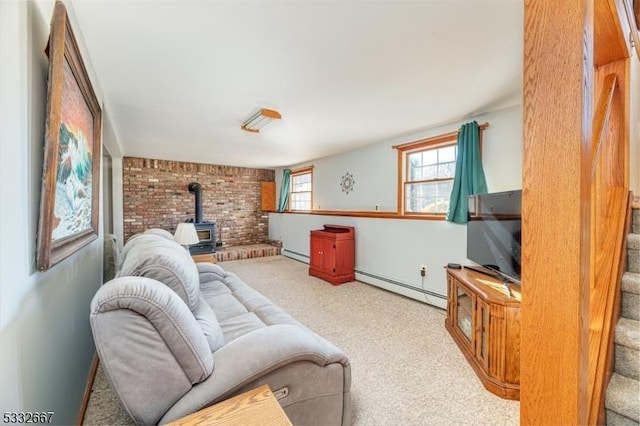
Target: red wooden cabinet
333 254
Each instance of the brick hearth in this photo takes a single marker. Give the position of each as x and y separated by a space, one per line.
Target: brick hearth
246 252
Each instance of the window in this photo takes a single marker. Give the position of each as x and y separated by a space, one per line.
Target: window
301 189
426 169
429 178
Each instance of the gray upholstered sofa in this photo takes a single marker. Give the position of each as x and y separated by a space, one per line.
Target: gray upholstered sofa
174 336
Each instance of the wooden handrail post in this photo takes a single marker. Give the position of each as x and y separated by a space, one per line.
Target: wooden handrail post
557 144
575 189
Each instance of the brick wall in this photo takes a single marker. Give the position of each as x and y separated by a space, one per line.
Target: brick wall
156 196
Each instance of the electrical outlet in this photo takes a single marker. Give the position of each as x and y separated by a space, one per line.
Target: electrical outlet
377 207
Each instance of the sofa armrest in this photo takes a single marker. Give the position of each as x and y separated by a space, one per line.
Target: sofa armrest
238 363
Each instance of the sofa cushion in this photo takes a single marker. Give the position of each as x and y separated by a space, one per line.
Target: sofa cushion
273 315
210 272
225 306
240 325
247 296
210 289
209 324
159 258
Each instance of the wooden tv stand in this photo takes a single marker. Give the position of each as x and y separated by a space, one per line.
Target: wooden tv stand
485 324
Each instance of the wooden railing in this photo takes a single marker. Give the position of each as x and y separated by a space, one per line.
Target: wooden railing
573 211
610 204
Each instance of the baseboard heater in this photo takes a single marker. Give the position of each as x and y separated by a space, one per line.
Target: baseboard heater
284 251
374 276
401 284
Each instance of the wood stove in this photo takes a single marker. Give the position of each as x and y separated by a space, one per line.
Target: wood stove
206 230
207 235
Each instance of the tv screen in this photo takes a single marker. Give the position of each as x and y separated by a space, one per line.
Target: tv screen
493 232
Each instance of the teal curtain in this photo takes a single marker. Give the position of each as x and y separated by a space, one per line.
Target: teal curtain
469 178
284 190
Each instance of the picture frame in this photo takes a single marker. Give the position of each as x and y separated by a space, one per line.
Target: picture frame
70 196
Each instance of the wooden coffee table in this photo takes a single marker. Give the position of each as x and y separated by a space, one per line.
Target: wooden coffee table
255 407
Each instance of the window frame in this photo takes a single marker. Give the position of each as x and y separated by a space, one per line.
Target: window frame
297 172
404 150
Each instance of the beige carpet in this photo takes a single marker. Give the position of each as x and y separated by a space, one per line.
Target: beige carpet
406 369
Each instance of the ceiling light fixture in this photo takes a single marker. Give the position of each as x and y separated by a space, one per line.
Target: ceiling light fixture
259 119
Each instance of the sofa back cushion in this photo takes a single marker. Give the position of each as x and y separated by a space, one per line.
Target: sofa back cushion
155 254
209 325
156 257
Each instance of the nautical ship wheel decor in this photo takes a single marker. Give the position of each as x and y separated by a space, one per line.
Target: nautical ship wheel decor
347 183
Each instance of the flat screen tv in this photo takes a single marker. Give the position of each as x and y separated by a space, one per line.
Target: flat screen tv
493 232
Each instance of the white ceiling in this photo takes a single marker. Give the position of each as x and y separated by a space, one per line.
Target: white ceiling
179 77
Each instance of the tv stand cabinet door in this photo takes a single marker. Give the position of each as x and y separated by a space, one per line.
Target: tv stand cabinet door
464 316
497 343
483 321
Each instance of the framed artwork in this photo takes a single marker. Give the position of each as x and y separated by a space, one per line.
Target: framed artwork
69 201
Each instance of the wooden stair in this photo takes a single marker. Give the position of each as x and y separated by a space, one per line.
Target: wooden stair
622 400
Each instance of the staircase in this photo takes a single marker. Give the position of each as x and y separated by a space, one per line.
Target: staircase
622 400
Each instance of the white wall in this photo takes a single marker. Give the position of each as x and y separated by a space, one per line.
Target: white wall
46 344
394 249
112 144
